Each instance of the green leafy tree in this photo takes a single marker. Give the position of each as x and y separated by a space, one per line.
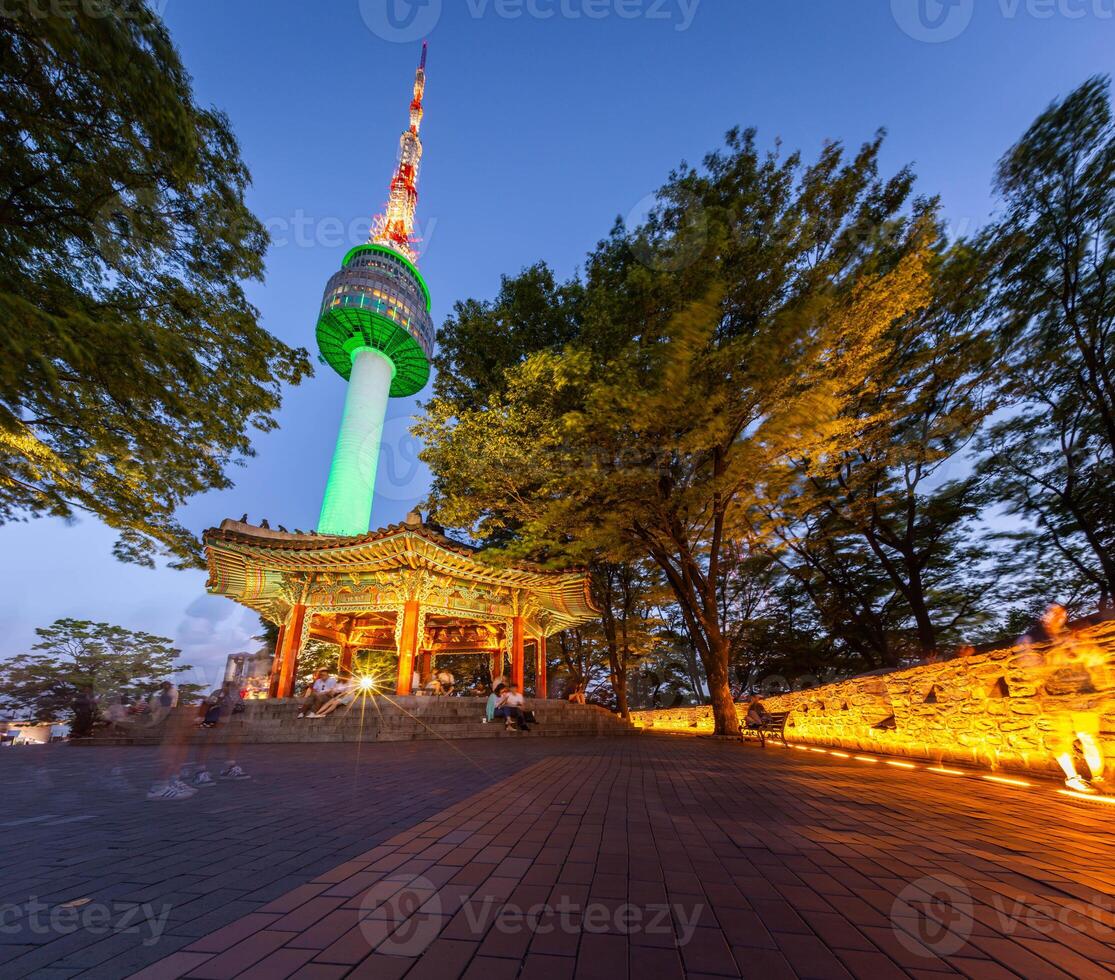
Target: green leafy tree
719 342
624 591
576 658
662 678
133 368
480 340
911 533
1051 458
75 654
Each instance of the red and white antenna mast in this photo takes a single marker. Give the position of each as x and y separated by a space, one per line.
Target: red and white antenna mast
395 227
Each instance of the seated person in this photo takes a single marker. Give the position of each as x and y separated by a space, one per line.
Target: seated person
757 714
577 695
510 709
209 711
343 693
220 706
493 701
445 681
320 691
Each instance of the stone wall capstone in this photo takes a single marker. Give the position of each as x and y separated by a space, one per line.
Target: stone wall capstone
1019 707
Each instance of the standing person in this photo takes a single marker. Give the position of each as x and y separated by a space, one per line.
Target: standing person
117 714
228 703
163 701
179 779
85 713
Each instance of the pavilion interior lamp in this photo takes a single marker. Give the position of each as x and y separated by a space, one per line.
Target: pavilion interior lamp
376 332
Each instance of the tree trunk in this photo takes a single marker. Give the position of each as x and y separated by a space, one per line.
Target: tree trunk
694 674
724 717
619 685
710 643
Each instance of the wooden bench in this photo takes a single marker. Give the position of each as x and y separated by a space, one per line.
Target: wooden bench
773 727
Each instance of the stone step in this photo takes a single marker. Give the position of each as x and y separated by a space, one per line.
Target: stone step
400 719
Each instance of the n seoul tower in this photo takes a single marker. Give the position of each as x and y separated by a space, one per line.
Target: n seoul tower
375 331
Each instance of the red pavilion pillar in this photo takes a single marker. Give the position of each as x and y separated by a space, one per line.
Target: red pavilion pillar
517 653
344 665
276 665
540 690
408 647
289 649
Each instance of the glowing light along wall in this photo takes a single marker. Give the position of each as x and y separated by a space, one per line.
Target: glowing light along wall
374 329
1021 707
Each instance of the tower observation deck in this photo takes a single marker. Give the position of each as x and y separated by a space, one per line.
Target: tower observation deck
375 330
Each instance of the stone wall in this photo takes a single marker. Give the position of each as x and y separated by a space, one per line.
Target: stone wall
1013 708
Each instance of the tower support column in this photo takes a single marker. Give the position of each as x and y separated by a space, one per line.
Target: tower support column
347 507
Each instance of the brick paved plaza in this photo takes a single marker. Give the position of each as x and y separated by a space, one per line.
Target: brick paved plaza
547 858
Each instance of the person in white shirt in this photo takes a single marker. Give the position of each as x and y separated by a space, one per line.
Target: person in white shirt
117 714
510 709
320 691
344 693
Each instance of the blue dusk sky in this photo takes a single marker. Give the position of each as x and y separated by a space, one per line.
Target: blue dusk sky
545 120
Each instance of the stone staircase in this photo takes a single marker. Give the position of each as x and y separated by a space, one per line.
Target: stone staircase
377 719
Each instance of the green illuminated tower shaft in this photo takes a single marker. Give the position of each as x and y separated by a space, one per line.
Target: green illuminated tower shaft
347 507
375 331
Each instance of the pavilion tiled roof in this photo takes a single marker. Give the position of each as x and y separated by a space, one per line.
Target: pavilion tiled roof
236 547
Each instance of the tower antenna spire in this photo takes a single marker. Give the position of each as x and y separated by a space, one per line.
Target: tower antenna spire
395 227
375 330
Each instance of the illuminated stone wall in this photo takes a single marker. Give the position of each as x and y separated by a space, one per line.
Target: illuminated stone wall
1015 708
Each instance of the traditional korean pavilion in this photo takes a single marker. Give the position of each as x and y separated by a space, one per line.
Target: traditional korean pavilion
406 588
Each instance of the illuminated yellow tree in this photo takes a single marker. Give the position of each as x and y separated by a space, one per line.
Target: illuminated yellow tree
719 343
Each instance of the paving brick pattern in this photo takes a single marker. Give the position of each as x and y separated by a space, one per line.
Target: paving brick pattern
614 858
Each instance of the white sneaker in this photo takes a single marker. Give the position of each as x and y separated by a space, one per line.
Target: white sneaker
182 787
234 772
170 790
202 778
1080 784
